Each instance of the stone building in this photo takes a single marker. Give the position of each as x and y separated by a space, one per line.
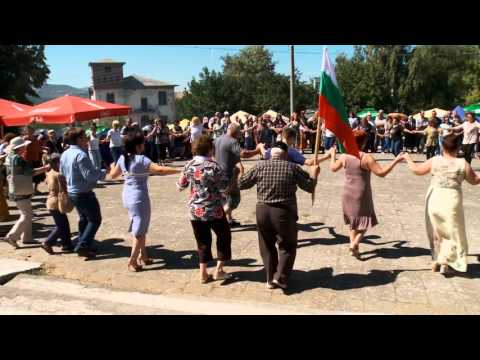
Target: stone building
148 98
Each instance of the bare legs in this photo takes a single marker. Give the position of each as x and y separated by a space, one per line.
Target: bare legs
205 277
139 252
356 237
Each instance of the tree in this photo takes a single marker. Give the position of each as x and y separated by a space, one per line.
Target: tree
22 70
248 82
367 79
440 76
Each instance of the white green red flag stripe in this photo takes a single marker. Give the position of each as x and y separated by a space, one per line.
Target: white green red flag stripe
332 109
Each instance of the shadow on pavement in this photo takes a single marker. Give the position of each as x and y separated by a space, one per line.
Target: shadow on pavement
338 239
398 251
323 278
301 281
162 258
310 227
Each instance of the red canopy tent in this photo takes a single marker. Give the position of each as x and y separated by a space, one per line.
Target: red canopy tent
67 110
11 108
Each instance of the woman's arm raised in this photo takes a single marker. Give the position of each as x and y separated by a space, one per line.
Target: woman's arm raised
418 169
115 172
162 170
336 165
470 175
377 169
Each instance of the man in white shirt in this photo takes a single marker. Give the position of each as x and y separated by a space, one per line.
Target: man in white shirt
421 124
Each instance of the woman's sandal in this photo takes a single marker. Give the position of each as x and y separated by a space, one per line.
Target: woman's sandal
221 275
206 280
134 268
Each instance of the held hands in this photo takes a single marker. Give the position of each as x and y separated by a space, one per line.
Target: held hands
314 171
333 152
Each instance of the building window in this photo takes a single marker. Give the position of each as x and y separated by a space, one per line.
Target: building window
162 98
111 98
108 68
144 104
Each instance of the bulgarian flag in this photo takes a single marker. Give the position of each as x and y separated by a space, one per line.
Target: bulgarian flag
332 109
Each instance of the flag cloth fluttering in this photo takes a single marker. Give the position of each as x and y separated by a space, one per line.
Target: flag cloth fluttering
332 109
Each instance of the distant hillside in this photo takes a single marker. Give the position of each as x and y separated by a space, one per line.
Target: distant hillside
52 91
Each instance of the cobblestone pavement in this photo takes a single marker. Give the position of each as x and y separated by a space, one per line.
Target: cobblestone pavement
393 277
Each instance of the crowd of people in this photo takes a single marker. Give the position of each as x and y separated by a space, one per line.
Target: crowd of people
73 165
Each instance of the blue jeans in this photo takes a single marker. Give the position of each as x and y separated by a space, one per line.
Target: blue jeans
88 210
61 230
329 142
116 153
386 145
397 146
249 143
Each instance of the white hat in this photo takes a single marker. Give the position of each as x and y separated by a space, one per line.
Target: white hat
226 113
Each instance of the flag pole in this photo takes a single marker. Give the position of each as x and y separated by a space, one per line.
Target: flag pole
317 138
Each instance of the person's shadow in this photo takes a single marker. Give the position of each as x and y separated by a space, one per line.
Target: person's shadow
301 281
338 239
396 252
163 259
309 227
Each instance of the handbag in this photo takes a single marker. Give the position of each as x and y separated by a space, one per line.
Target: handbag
65 205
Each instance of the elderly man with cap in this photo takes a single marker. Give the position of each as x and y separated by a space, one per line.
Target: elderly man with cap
277 214
228 154
20 190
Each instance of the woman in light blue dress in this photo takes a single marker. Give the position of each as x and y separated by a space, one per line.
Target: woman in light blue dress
136 169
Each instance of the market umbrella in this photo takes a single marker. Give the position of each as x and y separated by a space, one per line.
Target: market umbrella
11 108
475 108
365 111
241 115
461 112
398 115
184 123
273 115
67 110
428 114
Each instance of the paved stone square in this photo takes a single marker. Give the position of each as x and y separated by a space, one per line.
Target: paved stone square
394 276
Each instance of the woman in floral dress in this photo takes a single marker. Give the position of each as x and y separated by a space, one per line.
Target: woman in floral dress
208 185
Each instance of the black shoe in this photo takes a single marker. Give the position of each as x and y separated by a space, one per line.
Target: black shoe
279 284
234 224
47 248
86 253
67 248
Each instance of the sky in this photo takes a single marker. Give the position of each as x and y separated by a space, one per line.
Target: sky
175 64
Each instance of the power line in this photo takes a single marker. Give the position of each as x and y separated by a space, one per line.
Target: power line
240 49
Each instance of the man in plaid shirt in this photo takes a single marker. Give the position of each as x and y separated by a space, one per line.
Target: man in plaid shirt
277 214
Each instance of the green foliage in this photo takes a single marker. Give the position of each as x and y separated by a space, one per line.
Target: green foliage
22 70
422 77
248 82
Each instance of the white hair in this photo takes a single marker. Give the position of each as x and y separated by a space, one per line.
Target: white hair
277 153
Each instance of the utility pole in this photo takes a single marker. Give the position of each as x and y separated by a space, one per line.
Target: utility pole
292 77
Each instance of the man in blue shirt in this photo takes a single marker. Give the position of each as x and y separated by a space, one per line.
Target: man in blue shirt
289 136
82 176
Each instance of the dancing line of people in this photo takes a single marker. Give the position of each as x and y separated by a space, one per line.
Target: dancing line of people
216 177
